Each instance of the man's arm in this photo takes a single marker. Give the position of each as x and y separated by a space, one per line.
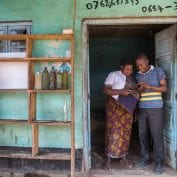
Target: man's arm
162 88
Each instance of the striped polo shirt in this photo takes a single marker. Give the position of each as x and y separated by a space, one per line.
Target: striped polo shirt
150 98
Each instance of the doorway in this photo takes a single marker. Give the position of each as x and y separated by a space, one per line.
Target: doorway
108 44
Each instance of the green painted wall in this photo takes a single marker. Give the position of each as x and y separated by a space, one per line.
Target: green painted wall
50 17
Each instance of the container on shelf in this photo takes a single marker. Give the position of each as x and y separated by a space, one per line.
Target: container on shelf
38 81
65 69
65 80
52 79
59 80
45 79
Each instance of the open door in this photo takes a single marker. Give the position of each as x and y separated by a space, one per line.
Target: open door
166 50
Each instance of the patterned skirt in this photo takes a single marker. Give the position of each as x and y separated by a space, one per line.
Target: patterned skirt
118 129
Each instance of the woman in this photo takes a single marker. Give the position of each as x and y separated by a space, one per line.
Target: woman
123 96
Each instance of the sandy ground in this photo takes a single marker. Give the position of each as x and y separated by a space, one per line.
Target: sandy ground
116 172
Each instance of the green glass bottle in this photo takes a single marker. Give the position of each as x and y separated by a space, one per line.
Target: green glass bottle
45 79
52 79
59 80
65 80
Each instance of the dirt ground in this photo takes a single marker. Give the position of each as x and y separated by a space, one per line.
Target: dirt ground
118 171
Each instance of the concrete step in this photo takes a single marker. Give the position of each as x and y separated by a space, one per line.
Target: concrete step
135 172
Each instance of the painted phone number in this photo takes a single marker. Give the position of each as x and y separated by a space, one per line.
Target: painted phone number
110 3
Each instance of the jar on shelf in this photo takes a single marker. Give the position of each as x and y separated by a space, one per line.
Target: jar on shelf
38 81
45 79
59 80
65 80
52 79
65 68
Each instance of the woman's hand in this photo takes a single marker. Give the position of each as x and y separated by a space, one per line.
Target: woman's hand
125 92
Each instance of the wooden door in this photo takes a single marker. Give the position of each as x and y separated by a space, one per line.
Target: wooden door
165 43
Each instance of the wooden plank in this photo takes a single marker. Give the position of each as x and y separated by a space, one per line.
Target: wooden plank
28 155
33 106
29 46
39 59
72 113
29 107
51 59
35 140
31 75
13 90
13 37
13 121
38 37
14 59
52 37
50 91
51 123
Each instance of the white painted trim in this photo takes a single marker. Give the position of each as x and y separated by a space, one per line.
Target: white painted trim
131 20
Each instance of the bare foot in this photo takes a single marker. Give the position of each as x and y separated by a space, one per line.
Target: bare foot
126 163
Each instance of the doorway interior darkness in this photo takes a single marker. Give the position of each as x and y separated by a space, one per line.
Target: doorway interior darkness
107 46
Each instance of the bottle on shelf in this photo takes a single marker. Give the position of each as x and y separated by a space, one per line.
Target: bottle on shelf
59 79
65 80
52 79
38 81
45 79
65 75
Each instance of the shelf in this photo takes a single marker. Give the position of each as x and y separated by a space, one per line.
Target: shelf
13 90
51 59
12 121
52 37
13 37
35 91
56 123
35 152
28 155
50 91
38 59
14 60
38 37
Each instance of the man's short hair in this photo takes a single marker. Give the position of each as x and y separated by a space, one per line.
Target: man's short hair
141 56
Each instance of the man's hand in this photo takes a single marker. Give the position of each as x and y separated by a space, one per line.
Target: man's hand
162 88
146 86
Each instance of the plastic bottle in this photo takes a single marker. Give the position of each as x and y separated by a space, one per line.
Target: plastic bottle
45 79
52 79
59 80
38 81
65 80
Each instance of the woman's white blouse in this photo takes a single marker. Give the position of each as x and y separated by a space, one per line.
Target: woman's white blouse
116 80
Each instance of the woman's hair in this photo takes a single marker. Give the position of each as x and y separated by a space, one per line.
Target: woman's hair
126 61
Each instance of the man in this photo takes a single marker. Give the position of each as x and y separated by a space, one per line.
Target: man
151 83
